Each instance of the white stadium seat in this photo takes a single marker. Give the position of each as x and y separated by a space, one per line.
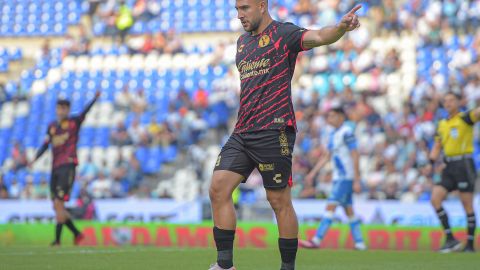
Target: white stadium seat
123 62
82 63
110 62
165 61
96 63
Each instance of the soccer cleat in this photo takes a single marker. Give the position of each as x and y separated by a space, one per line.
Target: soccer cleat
78 239
217 267
55 244
468 249
360 246
307 244
450 245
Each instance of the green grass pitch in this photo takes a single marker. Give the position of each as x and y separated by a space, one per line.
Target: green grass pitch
145 258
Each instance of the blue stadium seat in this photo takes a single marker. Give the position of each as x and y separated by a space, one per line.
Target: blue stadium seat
142 154
170 153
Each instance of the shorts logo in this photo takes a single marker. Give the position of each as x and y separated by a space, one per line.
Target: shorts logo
462 185
278 120
285 151
264 41
218 161
266 167
240 49
278 178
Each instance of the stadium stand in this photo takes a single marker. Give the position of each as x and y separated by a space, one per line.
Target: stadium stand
161 97
20 18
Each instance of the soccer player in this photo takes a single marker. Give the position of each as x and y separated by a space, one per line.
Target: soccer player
455 137
264 135
344 156
63 136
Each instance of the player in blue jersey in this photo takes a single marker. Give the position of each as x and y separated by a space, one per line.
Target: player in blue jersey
344 156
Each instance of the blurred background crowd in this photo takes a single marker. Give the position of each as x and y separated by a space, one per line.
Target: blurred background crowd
172 103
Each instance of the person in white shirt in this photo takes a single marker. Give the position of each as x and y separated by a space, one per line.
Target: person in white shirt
344 157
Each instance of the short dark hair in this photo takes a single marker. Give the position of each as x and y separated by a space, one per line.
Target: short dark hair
455 94
338 110
63 102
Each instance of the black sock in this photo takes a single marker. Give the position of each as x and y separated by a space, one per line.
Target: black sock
288 252
58 232
224 241
72 227
442 216
471 226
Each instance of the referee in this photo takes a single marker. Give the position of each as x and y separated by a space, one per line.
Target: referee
455 137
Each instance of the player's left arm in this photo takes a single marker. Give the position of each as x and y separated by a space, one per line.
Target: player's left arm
89 106
472 117
330 34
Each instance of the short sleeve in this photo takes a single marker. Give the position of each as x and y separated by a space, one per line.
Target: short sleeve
294 37
350 141
469 118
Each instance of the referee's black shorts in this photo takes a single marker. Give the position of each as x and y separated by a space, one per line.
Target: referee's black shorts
61 182
459 175
270 151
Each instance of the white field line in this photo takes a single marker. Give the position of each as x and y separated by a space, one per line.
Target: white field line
87 251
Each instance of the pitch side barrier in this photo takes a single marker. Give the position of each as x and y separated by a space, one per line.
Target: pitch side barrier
416 214
249 235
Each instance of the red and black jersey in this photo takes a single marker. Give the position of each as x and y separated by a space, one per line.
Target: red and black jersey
63 137
266 63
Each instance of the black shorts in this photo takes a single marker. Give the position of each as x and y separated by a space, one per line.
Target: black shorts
459 175
270 151
61 182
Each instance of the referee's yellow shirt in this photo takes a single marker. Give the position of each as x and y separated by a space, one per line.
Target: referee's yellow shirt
456 134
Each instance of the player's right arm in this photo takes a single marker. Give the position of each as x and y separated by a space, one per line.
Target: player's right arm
436 149
330 34
437 146
42 148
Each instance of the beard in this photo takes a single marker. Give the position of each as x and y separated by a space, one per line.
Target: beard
254 25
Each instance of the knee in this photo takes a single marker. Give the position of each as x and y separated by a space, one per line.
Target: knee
468 206
436 203
279 204
58 205
218 193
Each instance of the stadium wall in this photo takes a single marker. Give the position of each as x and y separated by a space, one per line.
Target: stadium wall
171 211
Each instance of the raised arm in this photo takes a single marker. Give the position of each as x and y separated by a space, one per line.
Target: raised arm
90 105
475 114
330 34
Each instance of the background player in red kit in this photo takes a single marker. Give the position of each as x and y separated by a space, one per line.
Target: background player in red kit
63 136
264 135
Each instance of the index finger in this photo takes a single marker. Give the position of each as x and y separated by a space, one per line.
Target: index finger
357 7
